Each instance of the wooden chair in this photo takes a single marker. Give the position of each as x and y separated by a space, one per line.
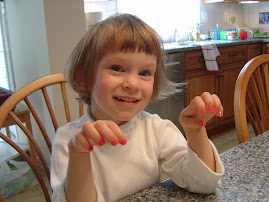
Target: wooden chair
24 94
251 98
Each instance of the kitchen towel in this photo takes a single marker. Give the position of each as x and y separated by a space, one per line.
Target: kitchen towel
211 53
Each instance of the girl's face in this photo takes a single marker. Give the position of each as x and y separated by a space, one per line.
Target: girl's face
123 86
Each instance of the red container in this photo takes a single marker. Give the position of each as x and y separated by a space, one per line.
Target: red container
243 35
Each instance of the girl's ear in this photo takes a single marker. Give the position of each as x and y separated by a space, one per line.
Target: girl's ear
79 81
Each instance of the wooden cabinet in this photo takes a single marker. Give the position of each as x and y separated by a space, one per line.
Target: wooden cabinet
197 83
199 80
254 50
227 80
265 48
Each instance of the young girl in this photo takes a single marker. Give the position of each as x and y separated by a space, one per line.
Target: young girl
116 149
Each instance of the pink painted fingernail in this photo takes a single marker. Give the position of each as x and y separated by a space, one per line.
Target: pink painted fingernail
201 123
210 108
90 148
101 142
123 141
220 113
216 111
202 111
115 142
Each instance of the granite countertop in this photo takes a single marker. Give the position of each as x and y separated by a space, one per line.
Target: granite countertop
189 46
246 177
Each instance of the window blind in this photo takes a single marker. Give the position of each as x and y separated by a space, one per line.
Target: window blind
6 67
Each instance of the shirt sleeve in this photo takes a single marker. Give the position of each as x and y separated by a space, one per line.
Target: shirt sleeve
184 166
59 162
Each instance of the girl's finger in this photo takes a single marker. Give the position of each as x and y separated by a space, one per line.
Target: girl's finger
80 143
92 134
208 100
117 132
106 133
218 108
195 108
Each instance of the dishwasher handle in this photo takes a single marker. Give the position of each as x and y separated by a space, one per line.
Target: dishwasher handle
170 64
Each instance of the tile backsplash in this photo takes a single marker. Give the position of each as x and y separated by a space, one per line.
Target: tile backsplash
231 14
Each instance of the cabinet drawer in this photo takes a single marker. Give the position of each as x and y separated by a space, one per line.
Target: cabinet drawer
254 50
232 54
194 60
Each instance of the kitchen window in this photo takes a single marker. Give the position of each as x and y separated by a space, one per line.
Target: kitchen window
6 68
167 17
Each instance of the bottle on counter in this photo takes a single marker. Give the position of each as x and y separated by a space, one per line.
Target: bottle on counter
217 32
196 33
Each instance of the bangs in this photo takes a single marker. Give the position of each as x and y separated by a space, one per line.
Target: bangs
128 35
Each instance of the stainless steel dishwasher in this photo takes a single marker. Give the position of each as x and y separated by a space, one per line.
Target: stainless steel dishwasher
171 107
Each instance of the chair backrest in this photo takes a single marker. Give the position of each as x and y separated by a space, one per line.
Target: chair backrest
7 113
251 98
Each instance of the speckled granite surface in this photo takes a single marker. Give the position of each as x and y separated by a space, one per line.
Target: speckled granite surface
246 177
185 46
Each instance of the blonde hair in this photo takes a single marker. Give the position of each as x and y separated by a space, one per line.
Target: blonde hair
124 33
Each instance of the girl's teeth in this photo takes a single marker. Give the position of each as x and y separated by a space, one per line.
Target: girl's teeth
127 99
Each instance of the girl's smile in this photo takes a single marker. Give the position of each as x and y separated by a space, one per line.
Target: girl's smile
123 86
126 100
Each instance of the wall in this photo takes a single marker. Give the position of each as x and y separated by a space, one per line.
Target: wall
28 40
251 14
65 25
42 35
231 14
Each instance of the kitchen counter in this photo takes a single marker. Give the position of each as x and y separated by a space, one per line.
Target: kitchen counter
245 179
192 45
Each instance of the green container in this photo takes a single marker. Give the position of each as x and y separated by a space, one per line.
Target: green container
238 32
223 35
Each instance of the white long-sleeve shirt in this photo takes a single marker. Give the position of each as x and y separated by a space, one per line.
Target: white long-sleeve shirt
153 144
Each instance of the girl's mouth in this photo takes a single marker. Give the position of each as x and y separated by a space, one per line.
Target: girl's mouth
122 99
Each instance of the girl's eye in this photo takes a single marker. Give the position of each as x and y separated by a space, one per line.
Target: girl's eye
144 73
117 68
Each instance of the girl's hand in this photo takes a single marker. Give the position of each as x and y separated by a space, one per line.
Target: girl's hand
97 133
200 111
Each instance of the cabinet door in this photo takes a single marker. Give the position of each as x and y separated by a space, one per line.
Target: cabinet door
254 50
197 83
227 82
265 48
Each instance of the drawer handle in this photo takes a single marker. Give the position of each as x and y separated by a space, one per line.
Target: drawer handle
201 59
232 54
220 75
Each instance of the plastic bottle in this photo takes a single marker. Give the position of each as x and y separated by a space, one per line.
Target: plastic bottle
196 32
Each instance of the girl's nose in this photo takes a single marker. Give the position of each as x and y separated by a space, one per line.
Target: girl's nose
131 83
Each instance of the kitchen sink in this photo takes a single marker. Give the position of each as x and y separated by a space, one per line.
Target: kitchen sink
186 44
194 43
182 43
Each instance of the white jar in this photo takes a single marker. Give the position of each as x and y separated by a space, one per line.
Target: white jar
232 35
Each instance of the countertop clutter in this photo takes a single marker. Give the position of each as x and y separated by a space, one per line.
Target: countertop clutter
245 179
196 45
